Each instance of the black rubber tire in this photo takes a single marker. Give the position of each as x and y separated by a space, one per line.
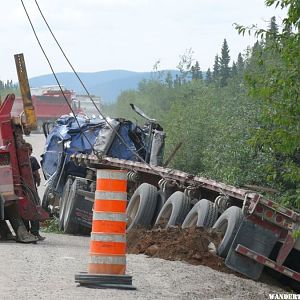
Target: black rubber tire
63 203
174 210
70 226
141 207
203 214
46 200
161 200
228 224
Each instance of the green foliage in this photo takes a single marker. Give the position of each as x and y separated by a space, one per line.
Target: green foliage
213 123
216 69
224 64
243 131
7 87
208 76
196 72
51 225
273 79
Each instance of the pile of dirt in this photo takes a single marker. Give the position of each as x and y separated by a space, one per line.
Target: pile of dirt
193 245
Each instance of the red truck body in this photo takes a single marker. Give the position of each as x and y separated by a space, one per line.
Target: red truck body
15 168
49 105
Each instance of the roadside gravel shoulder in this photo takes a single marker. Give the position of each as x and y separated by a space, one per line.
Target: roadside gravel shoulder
46 271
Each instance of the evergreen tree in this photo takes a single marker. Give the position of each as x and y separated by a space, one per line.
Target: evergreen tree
169 80
273 29
216 69
240 64
208 76
234 71
272 32
274 82
224 64
177 81
196 72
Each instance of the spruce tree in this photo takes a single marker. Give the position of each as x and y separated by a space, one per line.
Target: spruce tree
224 64
169 80
196 72
272 32
234 71
208 76
240 64
273 26
216 69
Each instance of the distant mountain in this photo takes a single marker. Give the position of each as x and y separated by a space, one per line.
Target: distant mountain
106 84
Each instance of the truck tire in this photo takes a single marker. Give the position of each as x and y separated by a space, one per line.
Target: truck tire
174 210
70 226
161 200
141 207
203 214
46 200
63 202
228 224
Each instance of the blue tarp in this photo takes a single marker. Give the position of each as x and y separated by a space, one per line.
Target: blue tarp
67 138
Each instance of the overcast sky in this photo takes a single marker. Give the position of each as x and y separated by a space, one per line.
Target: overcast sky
100 35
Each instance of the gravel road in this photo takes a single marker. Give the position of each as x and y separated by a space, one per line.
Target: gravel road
46 271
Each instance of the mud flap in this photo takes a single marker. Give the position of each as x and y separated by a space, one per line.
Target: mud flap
256 238
84 212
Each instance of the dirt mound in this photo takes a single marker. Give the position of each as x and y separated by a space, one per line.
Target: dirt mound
193 245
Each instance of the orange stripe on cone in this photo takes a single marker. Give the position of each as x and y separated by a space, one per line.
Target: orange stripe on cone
108 226
109 248
107 269
117 206
111 185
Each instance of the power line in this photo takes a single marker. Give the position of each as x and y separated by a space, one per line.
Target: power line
54 74
83 85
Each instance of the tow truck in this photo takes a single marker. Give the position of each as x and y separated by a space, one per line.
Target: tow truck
18 195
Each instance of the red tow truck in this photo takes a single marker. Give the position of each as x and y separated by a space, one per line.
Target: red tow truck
18 196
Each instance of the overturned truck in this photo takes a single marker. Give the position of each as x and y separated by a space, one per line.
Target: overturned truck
256 232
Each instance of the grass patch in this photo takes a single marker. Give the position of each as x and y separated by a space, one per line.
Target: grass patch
51 225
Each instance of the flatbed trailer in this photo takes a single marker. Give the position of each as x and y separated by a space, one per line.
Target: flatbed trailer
258 232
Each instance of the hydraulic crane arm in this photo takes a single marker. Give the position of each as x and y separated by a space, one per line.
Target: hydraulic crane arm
31 121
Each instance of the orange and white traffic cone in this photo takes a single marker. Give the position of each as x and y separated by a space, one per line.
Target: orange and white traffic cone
107 263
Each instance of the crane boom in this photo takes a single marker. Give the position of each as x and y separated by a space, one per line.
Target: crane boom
31 121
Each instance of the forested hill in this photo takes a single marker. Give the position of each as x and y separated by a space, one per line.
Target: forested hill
106 84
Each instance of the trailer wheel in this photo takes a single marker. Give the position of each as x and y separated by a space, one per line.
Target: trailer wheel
228 224
203 214
63 203
174 210
70 225
46 200
141 207
161 200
